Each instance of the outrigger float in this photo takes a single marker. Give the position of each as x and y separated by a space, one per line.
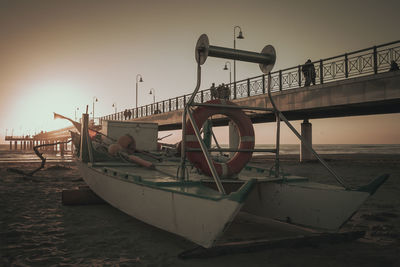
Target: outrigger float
199 197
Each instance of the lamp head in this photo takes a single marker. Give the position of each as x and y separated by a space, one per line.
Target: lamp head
226 67
141 80
240 35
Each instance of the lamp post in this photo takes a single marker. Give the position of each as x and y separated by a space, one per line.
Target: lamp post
141 80
153 92
230 71
75 113
240 36
94 100
114 105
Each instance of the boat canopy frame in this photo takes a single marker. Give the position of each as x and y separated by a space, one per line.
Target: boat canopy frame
266 60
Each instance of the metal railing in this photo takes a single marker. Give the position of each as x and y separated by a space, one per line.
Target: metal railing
373 60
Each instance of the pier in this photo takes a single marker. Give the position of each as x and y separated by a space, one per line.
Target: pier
351 84
356 83
53 137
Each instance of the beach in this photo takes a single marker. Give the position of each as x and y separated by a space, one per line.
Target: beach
37 230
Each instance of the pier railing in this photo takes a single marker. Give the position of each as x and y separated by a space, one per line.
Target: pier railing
373 60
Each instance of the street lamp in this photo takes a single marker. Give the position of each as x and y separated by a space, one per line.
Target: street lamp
75 113
153 92
141 80
114 105
94 100
240 36
230 72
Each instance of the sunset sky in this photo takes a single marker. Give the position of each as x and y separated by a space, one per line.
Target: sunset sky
56 56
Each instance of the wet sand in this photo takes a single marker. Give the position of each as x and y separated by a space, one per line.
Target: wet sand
37 230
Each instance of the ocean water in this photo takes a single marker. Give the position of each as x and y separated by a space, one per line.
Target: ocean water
291 149
7 155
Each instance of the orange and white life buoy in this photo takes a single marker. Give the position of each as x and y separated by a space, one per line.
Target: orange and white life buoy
246 135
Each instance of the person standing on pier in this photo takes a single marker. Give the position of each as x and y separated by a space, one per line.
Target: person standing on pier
223 92
393 66
214 92
309 73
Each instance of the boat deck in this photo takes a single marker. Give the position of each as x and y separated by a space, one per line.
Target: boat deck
166 171
164 176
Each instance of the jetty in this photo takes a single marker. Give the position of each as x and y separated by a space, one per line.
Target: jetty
361 82
27 142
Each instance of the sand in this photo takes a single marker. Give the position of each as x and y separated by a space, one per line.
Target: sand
37 230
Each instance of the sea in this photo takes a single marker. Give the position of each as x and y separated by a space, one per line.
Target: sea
291 149
7 155
27 156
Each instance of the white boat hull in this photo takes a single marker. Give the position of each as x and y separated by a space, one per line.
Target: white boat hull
203 216
314 205
298 201
200 220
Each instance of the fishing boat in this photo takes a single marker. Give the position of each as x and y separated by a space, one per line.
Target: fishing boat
197 195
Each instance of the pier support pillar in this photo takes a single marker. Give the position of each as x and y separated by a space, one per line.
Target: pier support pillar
233 138
15 145
306 133
10 145
24 145
62 149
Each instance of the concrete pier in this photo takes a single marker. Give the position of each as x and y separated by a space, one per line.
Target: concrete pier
306 133
28 142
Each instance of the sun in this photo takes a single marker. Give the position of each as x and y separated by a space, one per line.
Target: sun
34 107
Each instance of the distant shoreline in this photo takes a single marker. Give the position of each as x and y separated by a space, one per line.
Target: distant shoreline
364 157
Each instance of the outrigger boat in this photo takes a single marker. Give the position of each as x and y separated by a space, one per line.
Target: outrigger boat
196 196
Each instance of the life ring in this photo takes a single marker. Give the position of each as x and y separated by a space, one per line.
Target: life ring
246 135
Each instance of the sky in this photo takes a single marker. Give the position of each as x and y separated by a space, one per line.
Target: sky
58 56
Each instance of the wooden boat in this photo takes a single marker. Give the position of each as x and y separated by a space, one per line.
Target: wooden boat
199 198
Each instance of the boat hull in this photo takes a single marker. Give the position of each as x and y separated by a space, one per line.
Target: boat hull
301 202
305 203
198 219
